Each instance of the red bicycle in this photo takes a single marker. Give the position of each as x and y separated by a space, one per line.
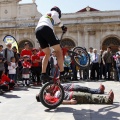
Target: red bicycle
52 93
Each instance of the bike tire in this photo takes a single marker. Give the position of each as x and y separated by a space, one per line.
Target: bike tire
42 98
83 50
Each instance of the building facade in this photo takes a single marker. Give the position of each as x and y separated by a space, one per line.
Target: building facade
87 28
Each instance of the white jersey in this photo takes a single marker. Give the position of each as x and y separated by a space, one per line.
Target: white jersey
50 19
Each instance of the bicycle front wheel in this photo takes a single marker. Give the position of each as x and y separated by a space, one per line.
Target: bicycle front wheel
51 95
82 58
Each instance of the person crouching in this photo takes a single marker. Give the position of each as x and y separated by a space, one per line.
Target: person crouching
5 82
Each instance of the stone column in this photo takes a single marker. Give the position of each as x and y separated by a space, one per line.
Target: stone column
86 40
97 41
80 39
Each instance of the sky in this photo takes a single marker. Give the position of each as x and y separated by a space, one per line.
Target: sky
71 6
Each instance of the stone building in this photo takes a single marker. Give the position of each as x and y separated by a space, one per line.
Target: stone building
88 27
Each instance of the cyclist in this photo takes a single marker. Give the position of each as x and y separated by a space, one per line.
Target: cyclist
46 37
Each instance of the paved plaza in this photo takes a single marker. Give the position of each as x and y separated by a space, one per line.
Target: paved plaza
21 104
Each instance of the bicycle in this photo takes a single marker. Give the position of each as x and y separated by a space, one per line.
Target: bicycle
52 93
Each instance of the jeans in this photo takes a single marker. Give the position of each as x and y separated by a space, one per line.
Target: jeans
118 70
85 89
54 72
12 76
108 67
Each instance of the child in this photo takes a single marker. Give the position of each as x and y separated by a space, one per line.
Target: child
12 69
35 69
26 70
5 82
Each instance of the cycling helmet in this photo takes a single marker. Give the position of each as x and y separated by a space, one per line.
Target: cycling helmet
57 10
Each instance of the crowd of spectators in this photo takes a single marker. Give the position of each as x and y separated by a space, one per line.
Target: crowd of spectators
28 64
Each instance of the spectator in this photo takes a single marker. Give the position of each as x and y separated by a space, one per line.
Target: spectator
12 69
3 85
53 65
67 62
7 54
74 70
107 61
26 50
2 68
102 67
35 69
83 61
40 54
64 50
91 54
16 54
95 65
118 62
1 51
7 81
26 71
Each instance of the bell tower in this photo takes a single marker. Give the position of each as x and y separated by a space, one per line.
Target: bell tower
8 9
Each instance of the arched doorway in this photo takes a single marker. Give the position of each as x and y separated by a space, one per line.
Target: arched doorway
67 42
114 42
21 45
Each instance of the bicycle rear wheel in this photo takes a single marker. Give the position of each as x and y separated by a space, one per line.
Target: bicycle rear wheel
51 95
82 58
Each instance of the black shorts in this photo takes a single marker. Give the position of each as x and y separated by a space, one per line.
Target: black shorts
46 37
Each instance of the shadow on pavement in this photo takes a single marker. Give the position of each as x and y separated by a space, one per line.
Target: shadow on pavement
10 96
86 114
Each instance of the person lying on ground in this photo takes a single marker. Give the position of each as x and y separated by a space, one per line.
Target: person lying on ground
77 97
75 87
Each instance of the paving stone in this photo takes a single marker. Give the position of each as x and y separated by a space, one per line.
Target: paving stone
21 104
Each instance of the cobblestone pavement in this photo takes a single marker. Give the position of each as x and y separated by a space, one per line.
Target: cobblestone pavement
20 104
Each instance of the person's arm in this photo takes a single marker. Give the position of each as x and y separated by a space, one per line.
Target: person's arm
69 102
103 58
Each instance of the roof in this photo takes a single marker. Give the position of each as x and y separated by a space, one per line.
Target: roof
88 9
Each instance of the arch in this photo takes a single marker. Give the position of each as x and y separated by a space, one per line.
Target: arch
112 41
21 44
66 41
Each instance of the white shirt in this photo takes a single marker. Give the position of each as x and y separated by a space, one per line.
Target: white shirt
96 58
12 68
44 20
91 56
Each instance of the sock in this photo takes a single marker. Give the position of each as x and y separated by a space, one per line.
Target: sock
62 73
43 73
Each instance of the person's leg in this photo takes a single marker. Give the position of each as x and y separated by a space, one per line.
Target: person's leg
59 56
79 88
105 70
99 99
97 70
118 71
93 72
109 70
45 59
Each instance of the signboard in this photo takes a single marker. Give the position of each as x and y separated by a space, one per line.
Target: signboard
10 39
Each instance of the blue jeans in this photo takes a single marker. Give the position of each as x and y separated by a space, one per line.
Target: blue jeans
54 72
12 76
118 70
85 89
108 67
